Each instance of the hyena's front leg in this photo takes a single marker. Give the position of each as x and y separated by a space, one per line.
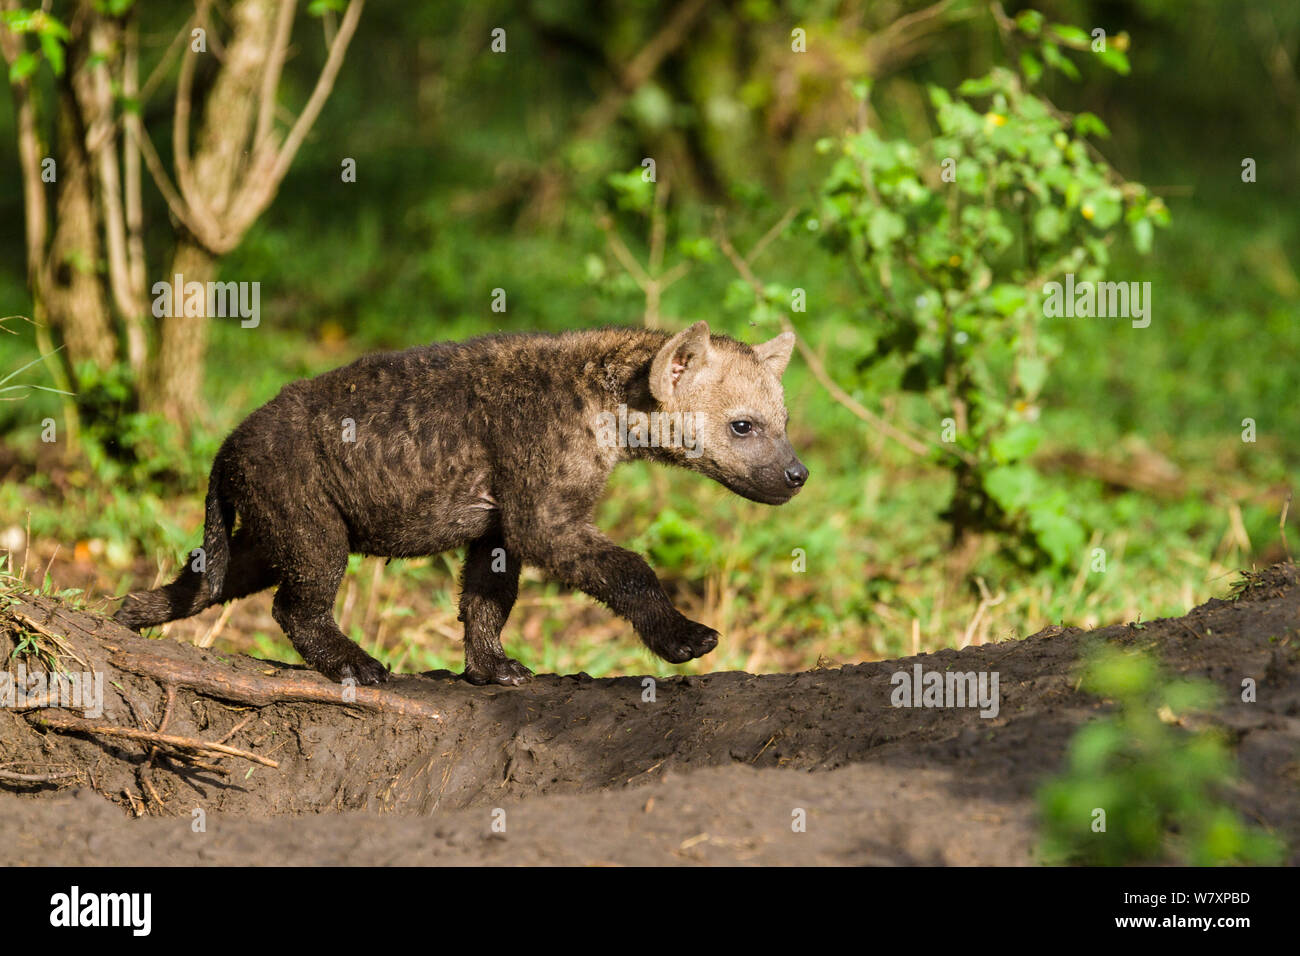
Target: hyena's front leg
582 557
491 584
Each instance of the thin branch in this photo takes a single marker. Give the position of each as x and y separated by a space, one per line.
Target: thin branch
904 37
651 280
259 189
155 77
641 68
133 196
14 777
771 234
168 56
271 75
658 227
30 151
181 120
1281 526
97 89
623 254
57 721
175 203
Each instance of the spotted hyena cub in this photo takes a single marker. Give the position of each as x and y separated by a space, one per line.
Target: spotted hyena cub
502 443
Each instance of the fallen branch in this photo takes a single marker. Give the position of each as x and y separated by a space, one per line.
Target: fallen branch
36 777
261 690
255 689
57 721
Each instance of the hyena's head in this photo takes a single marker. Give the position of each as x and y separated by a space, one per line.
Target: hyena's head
733 413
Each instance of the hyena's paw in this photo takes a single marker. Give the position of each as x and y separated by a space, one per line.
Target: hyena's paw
127 618
352 663
502 671
136 612
684 642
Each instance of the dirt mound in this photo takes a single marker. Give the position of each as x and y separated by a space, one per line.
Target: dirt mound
577 770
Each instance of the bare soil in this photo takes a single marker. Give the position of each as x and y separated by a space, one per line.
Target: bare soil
714 769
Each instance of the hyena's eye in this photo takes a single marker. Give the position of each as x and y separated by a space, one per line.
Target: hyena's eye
742 427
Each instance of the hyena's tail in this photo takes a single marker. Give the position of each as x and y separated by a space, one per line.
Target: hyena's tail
193 590
219 515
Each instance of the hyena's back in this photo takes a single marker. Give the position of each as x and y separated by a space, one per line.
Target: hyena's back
388 444
417 448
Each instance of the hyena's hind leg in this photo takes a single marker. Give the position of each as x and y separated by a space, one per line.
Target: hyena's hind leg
248 573
488 592
313 563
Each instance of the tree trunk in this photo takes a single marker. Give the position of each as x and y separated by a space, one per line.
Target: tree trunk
175 382
72 297
88 274
211 182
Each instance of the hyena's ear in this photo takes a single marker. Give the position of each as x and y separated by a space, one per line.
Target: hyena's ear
775 354
680 360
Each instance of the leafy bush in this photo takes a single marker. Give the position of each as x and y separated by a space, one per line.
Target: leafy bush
123 443
952 242
1157 783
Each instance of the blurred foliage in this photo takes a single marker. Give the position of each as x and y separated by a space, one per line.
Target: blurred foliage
952 242
126 446
1160 786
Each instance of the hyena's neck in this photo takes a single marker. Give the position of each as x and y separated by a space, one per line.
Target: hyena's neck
618 367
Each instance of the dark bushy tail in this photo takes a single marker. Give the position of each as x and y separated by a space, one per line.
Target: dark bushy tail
218 517
191 592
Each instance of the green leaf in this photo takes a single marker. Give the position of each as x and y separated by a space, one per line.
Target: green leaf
1120 675
1032 373
1143 233
1054 58
53 52
1070 34
1007 297
977 86
23 66
1059 535
1017 444
19 21
884 227
1049 224
1030 22
1093 746
1106 208
1115 60
1031 67
939 97
1086 124
1011 486
1182 696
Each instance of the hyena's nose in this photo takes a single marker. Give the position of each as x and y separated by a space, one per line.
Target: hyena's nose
796 475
